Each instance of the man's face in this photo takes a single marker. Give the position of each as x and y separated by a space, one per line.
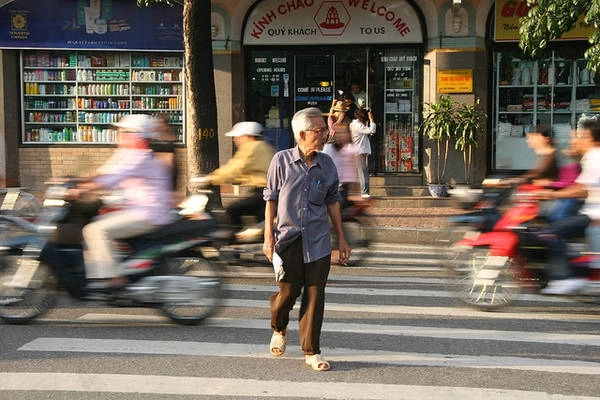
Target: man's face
315 137
355 89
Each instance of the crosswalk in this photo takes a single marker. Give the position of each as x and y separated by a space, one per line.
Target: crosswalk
393 317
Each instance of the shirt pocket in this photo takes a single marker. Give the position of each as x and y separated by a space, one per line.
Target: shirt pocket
317 195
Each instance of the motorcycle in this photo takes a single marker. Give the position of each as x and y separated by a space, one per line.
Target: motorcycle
171 269
249 250
505 252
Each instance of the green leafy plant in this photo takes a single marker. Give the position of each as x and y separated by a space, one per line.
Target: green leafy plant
448 121
470 126
547 20
439 125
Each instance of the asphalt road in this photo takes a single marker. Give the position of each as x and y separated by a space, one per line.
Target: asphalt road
392 331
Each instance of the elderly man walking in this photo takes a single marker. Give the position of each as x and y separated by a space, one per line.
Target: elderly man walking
302 190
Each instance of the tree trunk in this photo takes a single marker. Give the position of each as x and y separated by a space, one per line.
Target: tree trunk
202 133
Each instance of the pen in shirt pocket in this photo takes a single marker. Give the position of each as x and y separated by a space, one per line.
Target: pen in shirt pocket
318 183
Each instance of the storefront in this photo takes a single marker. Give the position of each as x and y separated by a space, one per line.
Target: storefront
556 89
81 66
303 53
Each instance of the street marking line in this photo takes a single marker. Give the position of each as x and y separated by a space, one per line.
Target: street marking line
245 350
377 329
375 291
188 385
436 311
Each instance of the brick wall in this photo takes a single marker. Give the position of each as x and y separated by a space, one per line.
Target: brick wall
38 164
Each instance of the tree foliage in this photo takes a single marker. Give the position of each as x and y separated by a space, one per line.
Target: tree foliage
550 19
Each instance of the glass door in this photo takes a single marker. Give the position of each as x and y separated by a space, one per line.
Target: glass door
269 94
351 76
314 80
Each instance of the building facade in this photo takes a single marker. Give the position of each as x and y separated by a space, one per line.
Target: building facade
61 92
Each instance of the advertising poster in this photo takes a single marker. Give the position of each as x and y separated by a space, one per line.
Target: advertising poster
90 24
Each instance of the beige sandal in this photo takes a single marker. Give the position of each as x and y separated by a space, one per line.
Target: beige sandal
277 346
317 363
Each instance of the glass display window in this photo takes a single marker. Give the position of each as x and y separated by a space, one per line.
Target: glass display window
556 89
74 97
399 138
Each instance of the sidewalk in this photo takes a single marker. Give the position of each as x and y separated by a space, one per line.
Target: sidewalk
425 224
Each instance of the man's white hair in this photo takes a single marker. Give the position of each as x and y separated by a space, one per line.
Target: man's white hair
303 120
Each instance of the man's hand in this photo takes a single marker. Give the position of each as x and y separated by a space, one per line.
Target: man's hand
344 251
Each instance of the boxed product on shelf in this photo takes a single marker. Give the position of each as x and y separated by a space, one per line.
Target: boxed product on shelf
74 97
529 102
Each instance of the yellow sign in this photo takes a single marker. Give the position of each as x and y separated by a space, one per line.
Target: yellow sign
507 17
455 81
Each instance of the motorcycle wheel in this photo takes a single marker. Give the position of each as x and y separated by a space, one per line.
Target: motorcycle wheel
480 280
22 304
200 296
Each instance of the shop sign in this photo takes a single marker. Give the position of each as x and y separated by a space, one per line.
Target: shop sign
455 81
90 24
507 17
284 22
272 71
319 95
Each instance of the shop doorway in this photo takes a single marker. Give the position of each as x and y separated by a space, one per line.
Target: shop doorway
386 80
321 77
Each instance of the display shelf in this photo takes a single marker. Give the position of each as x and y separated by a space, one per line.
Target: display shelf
399 142
75 96
554 91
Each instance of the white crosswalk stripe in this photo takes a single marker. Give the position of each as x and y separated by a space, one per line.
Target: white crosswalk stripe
174 385
414 294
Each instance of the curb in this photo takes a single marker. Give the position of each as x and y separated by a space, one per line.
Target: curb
442 236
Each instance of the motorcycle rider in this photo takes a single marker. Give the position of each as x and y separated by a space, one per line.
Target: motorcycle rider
585 139
146 184
248 166
539 139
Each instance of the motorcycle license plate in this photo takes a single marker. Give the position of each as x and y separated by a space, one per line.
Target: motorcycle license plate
24 274
495 261
9 201
490 271
486 277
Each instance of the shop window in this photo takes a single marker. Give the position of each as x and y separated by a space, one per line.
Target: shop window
556 89
74 97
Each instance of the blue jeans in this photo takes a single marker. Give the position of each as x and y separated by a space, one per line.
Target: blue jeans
363 173
592 235
566 228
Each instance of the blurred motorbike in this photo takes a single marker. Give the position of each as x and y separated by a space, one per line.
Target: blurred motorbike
506 250
354 217
248 250
167 269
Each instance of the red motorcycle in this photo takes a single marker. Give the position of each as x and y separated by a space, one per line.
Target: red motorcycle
494 262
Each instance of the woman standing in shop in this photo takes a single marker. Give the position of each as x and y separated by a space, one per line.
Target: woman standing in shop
361 128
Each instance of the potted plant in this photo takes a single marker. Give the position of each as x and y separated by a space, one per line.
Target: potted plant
439 125
470 120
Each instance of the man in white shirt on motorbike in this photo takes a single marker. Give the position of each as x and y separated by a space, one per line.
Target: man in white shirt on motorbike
586 140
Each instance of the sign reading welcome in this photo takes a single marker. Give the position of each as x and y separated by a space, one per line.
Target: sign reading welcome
335 21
